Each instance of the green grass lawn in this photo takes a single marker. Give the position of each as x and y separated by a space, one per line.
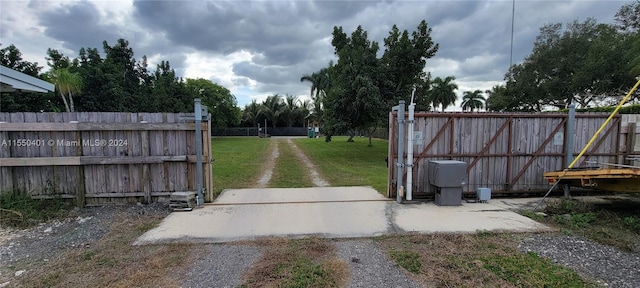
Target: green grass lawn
345 163
238 161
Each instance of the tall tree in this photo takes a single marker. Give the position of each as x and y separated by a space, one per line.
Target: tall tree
585 63
272 108
472 100
498 99
67 84
628 16
11 57
221 103
291 111
354 102
21 101
250 114
404 60
443 92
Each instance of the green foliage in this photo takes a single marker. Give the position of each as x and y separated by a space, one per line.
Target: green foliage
614 223
539 272
577 220
633 222
409 260
631 109
581 62
219 100
443 92
17 209
115 83
362 88
472 100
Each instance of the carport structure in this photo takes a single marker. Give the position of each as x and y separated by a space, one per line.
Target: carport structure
12 80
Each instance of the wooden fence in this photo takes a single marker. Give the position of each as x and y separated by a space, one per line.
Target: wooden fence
101 158
508 152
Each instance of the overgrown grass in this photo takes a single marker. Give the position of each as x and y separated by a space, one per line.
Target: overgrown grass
238 161
114 262
289 171
480 260
349 163
297 263
17 209
615 222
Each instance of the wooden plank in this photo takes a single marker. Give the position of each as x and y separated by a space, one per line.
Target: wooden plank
29 127
146 180
135 194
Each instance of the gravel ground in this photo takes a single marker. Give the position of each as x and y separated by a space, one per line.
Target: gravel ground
222 266
607 265
370 267
82 228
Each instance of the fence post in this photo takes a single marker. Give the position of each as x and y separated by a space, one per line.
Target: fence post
630 143
569 142
198 118
400 162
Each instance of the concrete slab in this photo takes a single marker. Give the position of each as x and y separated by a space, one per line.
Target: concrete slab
333 212
288 195
470 217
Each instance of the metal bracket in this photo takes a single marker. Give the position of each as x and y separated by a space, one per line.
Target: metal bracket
399 164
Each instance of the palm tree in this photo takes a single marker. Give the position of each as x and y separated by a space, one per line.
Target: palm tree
304 112
272 108
315 81
67 84
290 109
472 100
320 82
250 113
443 92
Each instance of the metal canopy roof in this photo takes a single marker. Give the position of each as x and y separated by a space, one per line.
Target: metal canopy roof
12 80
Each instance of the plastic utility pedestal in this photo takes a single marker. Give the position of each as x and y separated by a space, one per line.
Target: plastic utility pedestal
446 178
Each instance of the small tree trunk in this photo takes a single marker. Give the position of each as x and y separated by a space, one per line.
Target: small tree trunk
64 99
73 109
351 135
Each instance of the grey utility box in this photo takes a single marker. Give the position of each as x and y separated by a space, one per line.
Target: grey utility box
446 178
483 194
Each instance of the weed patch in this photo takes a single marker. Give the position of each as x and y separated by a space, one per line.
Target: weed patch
543 274
297 263
17 209
481 260
408 260
615 223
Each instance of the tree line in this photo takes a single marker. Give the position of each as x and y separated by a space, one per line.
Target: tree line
116 82
587 63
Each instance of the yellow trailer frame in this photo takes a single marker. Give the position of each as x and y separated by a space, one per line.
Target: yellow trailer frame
615 179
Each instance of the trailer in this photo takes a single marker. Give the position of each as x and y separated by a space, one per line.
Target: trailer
608 179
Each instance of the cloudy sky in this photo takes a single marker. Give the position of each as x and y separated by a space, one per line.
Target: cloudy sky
258 48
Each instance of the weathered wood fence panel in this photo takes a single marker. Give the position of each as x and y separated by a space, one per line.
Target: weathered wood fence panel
100 158
506 152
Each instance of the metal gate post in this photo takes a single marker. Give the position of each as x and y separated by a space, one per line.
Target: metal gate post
198 119
569 142
400 162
